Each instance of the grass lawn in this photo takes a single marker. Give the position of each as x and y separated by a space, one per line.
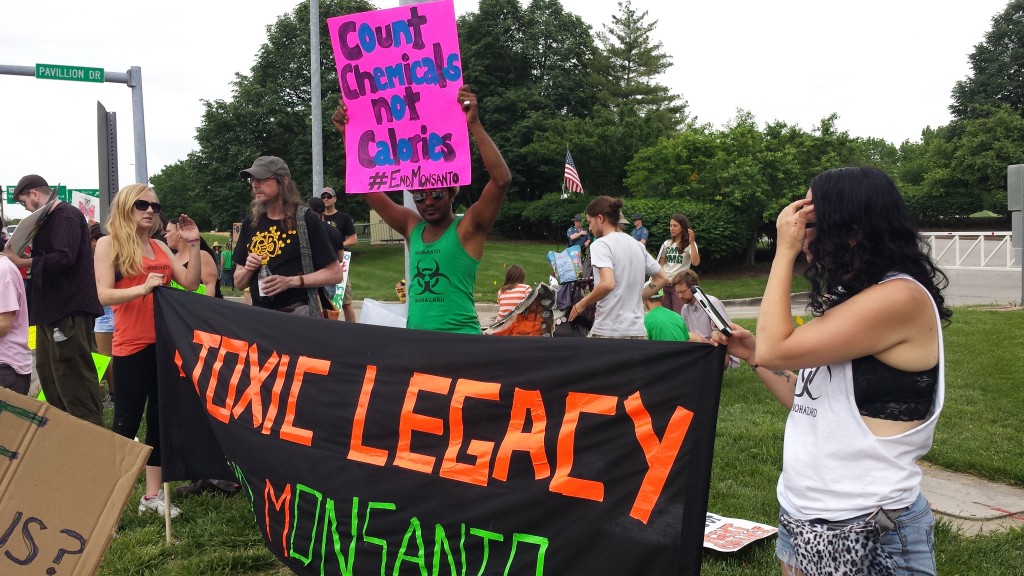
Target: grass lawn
376 269
977 433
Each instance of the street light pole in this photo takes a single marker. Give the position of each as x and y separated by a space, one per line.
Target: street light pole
316 104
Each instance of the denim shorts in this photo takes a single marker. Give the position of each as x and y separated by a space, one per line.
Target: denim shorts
911 544
105 323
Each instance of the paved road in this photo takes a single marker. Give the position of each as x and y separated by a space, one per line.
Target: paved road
999 287
966 287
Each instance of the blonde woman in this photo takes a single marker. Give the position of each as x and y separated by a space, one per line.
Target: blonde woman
129 265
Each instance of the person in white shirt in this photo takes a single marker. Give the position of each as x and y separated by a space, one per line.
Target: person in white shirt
621 266
15 356
677 253
863 407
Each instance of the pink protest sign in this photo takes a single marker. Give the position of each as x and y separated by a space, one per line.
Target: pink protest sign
400 73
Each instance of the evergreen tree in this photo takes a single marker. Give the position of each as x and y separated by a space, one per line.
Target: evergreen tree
632 63
998 65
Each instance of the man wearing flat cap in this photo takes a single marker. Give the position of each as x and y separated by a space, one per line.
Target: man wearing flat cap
270 233
62 301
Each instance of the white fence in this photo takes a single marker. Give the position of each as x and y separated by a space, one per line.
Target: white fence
972 250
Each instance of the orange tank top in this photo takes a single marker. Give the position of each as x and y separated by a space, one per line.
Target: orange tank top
133 320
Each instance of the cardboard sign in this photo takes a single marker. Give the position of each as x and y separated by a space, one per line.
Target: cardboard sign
63 486
400 71
731 534
369 450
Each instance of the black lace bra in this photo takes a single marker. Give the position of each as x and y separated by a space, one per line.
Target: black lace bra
888 393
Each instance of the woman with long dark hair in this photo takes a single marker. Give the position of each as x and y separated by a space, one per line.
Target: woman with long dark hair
677 253
871 384
129 264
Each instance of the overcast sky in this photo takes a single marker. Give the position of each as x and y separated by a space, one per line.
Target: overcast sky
886 67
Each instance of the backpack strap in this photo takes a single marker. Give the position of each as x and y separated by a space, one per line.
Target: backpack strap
307 261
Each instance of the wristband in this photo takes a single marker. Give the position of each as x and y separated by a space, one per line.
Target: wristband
302 281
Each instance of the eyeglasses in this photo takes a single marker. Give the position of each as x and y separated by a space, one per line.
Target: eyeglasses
326 196
260 180
420 196
143 205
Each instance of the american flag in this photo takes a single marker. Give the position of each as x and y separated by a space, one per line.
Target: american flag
572 178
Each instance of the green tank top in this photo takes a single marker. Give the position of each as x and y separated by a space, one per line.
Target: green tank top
440 288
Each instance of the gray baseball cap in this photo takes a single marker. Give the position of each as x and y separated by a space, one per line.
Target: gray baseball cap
265 167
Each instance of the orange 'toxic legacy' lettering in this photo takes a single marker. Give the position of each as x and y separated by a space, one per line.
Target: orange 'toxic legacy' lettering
484 462
235 405
659 453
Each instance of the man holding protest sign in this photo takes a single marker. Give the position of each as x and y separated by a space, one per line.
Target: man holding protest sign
445 249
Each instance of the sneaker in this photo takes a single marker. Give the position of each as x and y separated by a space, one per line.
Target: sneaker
156 504
220 487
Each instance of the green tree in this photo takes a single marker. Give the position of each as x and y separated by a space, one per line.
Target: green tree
988 144
268 114
631 65
178 195
998 66
744 171
533 70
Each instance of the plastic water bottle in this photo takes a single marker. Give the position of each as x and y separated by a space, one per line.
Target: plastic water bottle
264 273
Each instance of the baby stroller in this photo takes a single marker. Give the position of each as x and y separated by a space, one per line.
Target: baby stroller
569 293
534 316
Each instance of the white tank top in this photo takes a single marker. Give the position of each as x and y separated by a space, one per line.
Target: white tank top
833 467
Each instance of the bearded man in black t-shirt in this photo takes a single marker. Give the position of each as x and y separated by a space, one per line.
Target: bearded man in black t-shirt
270 233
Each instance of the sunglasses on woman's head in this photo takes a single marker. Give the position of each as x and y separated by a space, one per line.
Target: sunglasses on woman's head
420 196
143 205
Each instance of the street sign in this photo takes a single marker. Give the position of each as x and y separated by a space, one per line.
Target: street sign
62 193
73 73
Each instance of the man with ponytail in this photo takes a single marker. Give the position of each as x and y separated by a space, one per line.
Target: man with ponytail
622 266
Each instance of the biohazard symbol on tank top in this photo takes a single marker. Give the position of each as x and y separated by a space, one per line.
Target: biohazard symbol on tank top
270 243
429 279
804 383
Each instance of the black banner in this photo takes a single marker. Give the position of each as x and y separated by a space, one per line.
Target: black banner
371 450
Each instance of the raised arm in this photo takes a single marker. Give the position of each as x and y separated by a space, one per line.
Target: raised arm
891 320
481 215
399 218
694 253
190 277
